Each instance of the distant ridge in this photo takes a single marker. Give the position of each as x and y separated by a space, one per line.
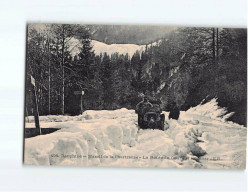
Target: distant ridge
100 47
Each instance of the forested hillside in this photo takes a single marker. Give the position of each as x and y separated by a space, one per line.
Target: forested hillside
186 66
124 34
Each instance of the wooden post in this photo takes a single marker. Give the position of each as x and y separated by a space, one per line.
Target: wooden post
36 109
27 113
81 93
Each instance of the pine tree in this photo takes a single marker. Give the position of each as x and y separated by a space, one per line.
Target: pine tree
136 67
107 82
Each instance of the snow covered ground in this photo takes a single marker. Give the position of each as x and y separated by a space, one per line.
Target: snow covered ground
100 47
201 138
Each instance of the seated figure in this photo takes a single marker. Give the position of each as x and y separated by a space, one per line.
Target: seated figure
143 106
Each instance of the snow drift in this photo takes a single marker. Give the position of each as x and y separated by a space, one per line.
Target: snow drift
100 47
201 138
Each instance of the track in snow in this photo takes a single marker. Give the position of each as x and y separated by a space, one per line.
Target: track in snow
201 138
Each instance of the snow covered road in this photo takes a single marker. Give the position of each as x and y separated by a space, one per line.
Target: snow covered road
201 138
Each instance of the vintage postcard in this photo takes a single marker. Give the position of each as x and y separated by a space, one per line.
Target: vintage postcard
135 96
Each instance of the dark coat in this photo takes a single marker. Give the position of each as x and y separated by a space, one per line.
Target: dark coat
174 113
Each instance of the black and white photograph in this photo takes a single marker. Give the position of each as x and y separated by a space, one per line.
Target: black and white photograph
145 96
132 96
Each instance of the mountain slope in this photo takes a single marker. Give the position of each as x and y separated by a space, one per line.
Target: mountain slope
100 47
126 34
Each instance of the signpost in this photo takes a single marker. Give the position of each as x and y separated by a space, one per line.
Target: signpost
36 110
81 100
77 92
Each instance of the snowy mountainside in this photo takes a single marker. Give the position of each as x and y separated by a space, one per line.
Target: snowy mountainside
201 138
100 47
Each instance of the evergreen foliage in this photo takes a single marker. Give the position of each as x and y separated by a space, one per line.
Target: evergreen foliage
185 66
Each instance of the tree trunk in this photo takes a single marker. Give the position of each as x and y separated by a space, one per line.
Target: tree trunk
213 46
217 45
63 74
49 80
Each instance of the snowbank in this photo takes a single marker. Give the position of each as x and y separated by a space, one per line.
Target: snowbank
111 138
211 110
